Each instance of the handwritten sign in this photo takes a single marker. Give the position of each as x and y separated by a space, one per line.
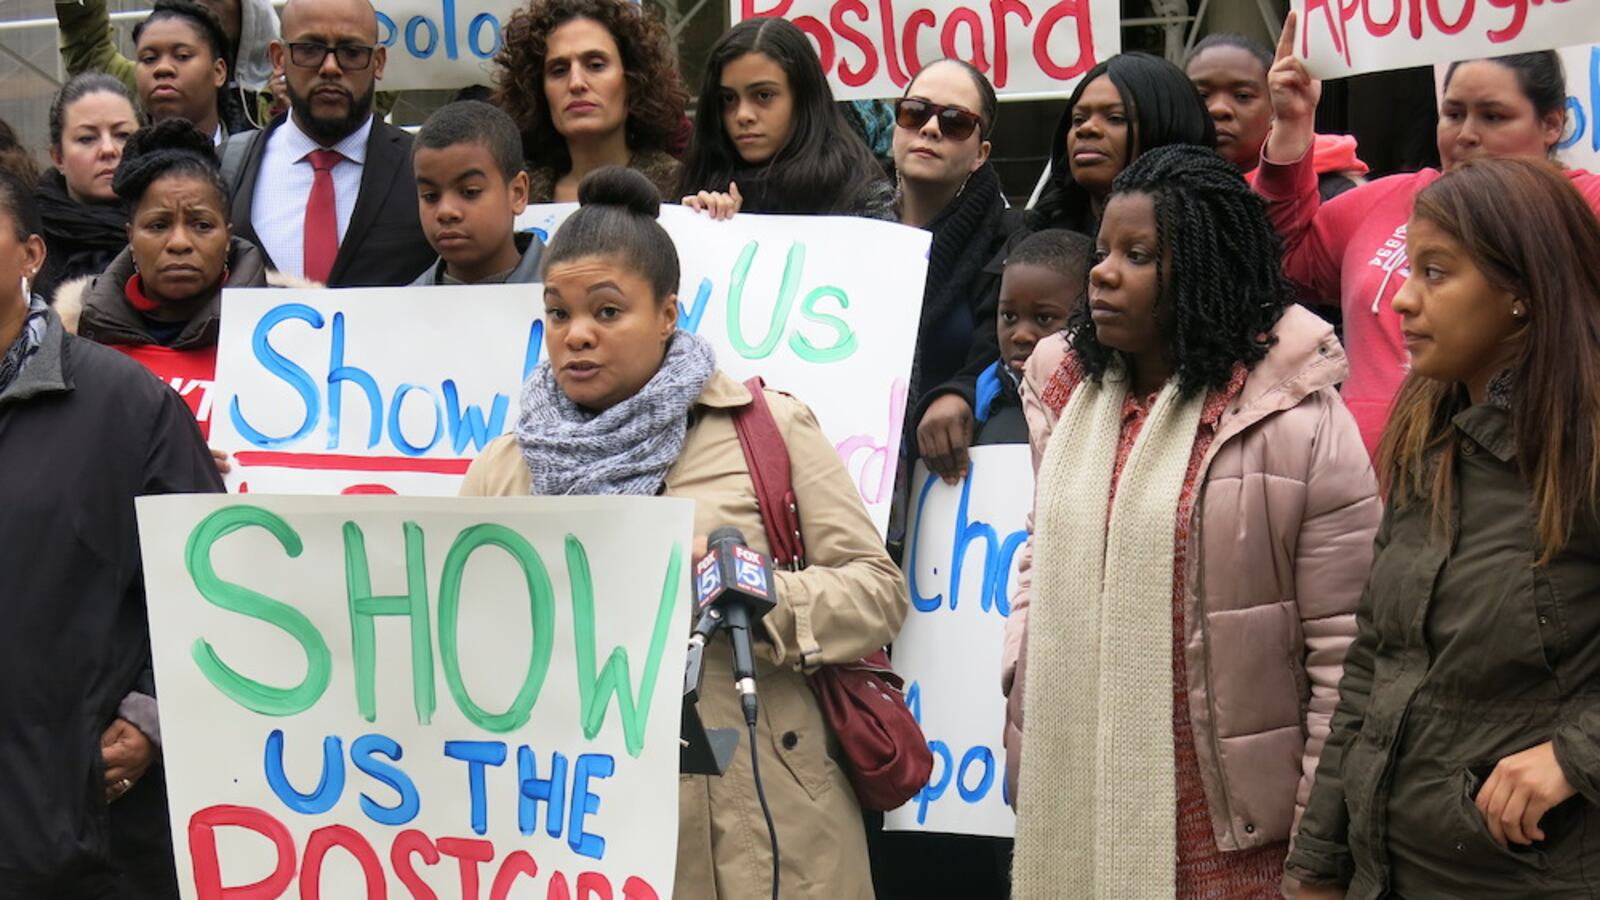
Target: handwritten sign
1580 148
438 44
395 390
377 696
961 557
1028 48
1348 37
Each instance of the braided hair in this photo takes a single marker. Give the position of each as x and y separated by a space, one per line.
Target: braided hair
1219 263
170 147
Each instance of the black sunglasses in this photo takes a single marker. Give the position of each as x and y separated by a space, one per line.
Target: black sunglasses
310 55
954 123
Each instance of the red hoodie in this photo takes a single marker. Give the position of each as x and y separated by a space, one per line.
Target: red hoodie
1353 249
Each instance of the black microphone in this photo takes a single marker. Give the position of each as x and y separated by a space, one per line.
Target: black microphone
733 590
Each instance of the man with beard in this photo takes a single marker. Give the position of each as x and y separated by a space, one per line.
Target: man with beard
327 192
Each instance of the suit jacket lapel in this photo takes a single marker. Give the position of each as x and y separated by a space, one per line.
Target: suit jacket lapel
383 166
244 198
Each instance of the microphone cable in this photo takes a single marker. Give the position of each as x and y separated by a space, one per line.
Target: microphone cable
761 794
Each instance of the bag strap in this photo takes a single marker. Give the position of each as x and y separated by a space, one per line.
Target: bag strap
771 472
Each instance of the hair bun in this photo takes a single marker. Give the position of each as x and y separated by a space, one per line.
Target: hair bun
175 134
620 186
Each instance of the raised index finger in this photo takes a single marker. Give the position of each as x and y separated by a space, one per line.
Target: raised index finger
1286 39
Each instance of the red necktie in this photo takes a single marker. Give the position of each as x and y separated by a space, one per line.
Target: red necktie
322 217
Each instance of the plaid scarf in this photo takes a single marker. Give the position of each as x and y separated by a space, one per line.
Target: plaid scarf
26 344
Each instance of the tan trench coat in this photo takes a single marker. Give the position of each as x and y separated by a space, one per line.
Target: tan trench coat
850 601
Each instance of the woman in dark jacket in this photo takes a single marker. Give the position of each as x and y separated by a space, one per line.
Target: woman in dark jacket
941 157
160 300
1464 757
84 225
83 431
1124 107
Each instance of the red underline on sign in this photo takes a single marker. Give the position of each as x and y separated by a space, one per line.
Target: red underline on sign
346 463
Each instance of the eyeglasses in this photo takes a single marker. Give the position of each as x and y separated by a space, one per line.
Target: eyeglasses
955 124
351 57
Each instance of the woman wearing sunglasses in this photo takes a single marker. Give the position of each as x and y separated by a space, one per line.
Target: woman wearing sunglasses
947 186
769 138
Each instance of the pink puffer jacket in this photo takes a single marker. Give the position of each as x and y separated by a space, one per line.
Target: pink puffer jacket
1278 555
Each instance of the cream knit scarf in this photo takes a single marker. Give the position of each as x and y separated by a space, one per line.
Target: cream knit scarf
1097 803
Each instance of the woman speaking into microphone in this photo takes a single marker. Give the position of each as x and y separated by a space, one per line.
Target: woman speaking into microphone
627 403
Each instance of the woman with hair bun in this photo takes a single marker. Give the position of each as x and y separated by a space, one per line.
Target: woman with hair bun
1200 536
159 301
591 83
91 118
625 402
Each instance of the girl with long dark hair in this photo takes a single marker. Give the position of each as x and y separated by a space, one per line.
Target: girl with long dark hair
1463 760
768 132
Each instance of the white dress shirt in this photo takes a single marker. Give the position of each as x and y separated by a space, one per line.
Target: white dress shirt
283 185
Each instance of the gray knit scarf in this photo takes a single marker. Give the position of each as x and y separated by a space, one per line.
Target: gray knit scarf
626 449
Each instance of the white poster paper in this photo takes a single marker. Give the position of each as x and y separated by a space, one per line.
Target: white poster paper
1348 37
395 390
375 696
962 547
1029 49
440 44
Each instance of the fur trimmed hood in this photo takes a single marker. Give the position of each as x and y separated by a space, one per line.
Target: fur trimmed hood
98 291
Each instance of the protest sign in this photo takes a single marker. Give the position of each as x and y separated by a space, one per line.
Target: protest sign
440 44
961 555
1030 49
1580 147
300 644
1348 37
397 389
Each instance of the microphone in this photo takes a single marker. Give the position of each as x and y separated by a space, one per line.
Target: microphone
733 590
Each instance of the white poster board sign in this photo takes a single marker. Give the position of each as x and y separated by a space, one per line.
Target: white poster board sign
395 390
962 545
378 696
1580 148
1029 49
440 44
1348 37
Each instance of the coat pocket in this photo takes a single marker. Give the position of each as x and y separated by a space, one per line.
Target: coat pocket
798 734
1477 838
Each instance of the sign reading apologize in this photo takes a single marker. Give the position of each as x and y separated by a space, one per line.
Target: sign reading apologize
300 644
440 44
1028 48
1348 37
961 558
385 390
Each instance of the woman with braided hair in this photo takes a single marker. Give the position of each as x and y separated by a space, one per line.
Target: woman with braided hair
159 301
1201 532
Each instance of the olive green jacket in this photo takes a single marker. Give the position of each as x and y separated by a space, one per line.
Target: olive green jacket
1467 652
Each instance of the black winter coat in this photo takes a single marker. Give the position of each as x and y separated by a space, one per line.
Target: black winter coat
83 431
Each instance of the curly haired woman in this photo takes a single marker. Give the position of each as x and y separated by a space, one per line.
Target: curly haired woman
591 83
1202 529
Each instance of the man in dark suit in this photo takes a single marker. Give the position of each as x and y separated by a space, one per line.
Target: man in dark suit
327 192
